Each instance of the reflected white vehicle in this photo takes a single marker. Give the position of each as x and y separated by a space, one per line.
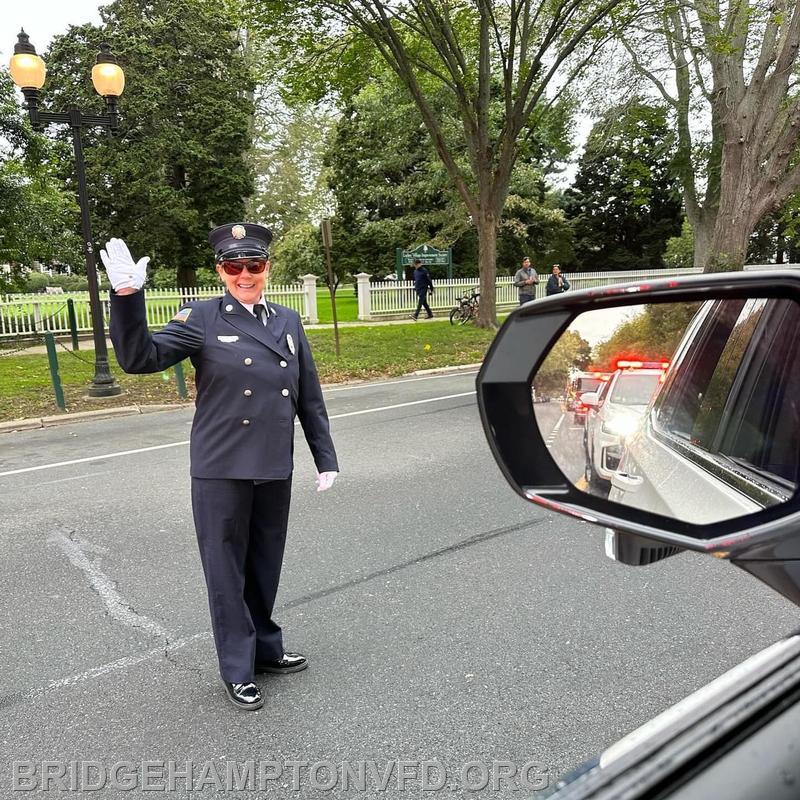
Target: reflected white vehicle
614 414
721 438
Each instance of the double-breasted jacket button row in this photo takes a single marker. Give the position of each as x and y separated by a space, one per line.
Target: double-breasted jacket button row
248 361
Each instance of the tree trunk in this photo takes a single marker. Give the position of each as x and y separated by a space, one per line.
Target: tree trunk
735 219
703 231
487 266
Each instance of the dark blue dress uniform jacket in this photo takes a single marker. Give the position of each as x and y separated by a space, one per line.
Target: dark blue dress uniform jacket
250 385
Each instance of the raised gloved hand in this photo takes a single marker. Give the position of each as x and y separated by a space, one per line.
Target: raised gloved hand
325 480
122 271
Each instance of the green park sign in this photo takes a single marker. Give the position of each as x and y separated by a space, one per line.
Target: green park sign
428 255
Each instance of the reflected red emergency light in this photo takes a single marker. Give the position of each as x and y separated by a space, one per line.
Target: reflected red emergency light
625 363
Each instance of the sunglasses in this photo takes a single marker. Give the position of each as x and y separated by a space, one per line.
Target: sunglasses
255 266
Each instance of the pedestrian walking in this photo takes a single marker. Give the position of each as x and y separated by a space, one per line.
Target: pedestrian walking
556 283
526 280
255 373
422 285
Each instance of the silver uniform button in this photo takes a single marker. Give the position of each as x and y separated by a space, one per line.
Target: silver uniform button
245 422
248 361
229 307
285 392
248 392
284 364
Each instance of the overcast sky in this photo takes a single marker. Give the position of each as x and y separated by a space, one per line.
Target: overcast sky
41 19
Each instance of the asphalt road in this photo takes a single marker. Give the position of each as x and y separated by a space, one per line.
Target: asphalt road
445 618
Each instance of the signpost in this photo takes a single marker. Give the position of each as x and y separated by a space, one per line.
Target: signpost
429 256
327 241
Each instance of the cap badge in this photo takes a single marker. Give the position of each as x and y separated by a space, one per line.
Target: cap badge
238 232
290 343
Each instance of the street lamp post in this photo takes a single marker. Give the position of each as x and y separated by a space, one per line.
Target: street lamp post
28 72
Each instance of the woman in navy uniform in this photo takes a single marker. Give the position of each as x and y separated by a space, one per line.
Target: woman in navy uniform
254 373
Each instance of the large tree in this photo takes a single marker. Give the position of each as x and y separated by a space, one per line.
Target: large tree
179 164
523 52
731 79
625 202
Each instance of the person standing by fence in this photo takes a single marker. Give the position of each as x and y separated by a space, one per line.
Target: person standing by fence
422 284
556 283
526 280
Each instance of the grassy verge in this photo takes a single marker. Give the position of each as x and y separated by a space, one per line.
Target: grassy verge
369 352
346 304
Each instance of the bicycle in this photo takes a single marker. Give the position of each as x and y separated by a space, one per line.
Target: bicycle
466 309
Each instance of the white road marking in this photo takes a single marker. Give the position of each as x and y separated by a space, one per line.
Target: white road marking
92 458
368 385
186 441
113 666
75 551
551 438
399 405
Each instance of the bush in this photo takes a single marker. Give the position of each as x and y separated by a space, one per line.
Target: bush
680 249
35 282
167 278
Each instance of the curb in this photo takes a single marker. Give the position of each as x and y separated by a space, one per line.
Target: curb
34 423
80 416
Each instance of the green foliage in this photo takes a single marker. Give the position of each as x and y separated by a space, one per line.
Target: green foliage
652 335
165 278
392 190
569 353
680 249
37 281
625 202
38 218
287 158
298 252
178 166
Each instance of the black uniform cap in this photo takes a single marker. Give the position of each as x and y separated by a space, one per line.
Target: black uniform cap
240 240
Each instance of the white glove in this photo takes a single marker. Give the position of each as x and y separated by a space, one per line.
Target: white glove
325 480
122 271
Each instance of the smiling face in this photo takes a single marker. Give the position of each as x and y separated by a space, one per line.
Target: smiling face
246 287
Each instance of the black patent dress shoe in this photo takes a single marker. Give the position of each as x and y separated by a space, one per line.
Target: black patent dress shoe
291 662
244 695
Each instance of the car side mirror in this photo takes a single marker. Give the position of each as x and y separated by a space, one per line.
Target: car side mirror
697 443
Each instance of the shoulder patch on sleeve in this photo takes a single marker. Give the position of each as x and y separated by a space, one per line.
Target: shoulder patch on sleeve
182 315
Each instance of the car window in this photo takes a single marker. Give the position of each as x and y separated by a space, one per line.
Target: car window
713 400
679 403
736 392
762 429
634 389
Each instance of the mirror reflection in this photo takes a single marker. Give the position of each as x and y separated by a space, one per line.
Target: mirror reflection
689 410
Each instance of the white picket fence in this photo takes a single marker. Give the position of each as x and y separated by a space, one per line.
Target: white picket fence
397 298
30 314
25 315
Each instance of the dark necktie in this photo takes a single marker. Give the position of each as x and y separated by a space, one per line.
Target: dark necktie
259 311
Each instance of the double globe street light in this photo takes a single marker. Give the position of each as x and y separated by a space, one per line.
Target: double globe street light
28 72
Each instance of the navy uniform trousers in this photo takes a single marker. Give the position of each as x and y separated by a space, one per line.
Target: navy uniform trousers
252 381
241 533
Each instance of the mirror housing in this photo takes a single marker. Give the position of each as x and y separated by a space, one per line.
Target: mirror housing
507 414
590 399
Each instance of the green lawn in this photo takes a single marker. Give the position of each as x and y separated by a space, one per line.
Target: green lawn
346 304
366 352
